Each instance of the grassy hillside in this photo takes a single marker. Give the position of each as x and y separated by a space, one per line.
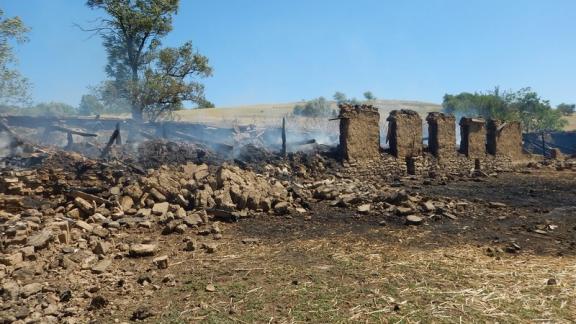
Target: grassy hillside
271 114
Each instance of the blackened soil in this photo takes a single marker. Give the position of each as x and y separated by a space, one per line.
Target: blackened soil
540 217
540 190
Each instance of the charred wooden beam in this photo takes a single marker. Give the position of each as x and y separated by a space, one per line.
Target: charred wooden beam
15 140
303 142
119 137
89 197
70 142
111 141
70 131
283 136
216 145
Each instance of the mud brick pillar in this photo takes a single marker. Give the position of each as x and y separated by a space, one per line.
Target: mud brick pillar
504 138
473 137
441 134
359 132
405 133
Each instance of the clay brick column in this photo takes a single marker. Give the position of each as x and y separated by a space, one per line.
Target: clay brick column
473 137
441 134
405 133
359 132
504 138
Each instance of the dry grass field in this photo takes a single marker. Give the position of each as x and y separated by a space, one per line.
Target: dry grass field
571 123
271 114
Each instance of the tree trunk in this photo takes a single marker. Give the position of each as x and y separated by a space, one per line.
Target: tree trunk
136 109
137 113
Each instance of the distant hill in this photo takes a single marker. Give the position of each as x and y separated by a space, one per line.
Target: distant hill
264 114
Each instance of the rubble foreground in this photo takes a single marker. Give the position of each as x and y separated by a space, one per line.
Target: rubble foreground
83 234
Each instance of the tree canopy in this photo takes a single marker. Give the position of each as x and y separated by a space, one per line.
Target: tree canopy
524 105
318 107
152 80
14 88
89 105
369 96
566 109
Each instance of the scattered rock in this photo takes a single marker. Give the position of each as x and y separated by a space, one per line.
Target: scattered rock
101 248
160 209
30 289
141 313
364 209
414 220
40 240
141 250
494 204
209 247
281 208
249 241
161 262
101 266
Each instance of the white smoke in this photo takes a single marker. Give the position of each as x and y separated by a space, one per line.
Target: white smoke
5 142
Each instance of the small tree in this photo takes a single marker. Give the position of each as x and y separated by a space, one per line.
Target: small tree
566 109
340 97
318 107
89 105
369 96
14 88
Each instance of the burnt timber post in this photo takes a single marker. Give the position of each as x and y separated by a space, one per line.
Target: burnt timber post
284 136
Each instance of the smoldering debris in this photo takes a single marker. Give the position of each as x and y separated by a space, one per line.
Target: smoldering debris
81 232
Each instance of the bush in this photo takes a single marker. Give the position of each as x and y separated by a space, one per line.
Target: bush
566 109
318 107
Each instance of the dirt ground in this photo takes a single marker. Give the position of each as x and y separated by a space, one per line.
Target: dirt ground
501 263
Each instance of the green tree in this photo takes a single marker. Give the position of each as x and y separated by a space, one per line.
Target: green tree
318 107
14 88
204 104
89 105
525 106
340 97
566 109
154 81
369 96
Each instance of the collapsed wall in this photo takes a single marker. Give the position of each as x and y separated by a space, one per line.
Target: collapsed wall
473 137
504 138
359 132
405 133
441 134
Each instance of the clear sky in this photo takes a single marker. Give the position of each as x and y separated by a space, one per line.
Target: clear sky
268 51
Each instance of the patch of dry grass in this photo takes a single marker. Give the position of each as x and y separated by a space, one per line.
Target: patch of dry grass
571 123
354 280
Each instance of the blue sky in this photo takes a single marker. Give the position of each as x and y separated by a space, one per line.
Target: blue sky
266 51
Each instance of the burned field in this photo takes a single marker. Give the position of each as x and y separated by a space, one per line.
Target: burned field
185 224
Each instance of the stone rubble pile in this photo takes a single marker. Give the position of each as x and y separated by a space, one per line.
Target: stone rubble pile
76 218
366 197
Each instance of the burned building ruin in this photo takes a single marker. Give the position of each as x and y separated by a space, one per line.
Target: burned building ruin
441 134
359 132
405 133
473 137
504 138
